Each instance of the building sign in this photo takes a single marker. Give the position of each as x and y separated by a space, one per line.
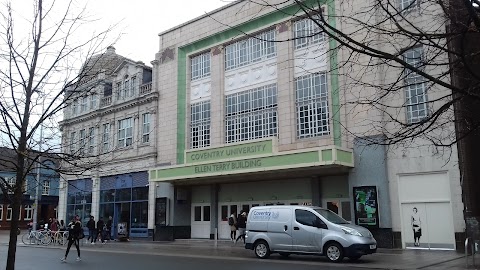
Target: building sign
227 166
366 206
230 152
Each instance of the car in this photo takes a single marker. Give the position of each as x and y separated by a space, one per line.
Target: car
294 229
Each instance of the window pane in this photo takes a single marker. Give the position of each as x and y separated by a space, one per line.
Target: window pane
198 213
206 213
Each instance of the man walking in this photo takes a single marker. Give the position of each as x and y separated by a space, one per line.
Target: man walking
101 230
92 232
109 228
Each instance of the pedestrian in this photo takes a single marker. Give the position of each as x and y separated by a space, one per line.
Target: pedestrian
54 225
61 226
109 227
232 221
74 235
101 230
242 225
92 232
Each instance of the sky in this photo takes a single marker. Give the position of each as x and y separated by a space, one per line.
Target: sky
142 20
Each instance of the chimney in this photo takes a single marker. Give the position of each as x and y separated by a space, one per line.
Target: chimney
110 49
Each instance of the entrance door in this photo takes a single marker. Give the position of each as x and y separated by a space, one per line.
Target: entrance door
201 220
122 214
225 211
341 207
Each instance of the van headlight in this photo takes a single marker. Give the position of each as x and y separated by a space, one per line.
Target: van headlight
351 231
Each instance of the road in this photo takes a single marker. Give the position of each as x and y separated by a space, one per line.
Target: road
38 258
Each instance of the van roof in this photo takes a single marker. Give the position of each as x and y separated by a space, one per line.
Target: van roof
289 206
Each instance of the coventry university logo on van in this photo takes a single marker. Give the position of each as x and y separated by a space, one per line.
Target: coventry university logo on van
264 215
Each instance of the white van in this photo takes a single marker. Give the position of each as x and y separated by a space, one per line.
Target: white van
294 229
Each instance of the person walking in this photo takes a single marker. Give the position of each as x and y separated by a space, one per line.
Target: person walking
109 227
242 225
232 221
416 226
92 232
74 235
101 230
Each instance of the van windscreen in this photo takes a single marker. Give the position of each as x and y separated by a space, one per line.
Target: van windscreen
331 216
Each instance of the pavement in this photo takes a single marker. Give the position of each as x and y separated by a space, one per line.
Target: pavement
396 259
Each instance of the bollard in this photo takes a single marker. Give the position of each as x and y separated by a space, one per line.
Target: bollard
466 252
216 237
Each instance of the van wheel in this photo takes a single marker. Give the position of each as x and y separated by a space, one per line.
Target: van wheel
261 249
284 254
334 252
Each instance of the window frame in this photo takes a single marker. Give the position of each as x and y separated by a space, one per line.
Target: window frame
307 27
91 140
146 120
46 187
125 126
200 66
1 212
28 210
9 213
106 128
200 121
414 82
312 107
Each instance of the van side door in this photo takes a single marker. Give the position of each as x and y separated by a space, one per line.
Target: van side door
280 229
307 232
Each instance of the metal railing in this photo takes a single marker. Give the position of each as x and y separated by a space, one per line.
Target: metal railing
470 243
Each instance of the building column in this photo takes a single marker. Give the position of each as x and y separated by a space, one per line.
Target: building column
285 87
151 205
62 200
96 196
217 129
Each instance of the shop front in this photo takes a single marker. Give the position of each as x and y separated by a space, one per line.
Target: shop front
125 198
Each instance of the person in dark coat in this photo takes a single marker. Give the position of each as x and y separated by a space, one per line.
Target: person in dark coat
109 228
74 231
92 232
101 230
241 225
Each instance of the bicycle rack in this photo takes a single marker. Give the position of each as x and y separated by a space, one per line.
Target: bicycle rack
469 242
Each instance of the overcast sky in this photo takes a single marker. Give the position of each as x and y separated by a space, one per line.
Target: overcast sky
142 21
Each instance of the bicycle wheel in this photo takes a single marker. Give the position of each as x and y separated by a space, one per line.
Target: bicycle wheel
45 239
28 239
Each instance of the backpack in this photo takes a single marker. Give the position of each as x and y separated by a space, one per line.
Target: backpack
231 221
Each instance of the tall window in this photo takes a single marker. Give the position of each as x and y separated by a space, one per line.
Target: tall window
145 128
106 137
125 132
200 66
91 140
415 92
1 212
46 187
250 50
307 32
83 105
406 6
200 124
73 142
28 212
133 86
312 105
119 90
82 142
74 107
251 114
93 101
9 212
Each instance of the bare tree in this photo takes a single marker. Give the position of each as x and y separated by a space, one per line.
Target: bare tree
41 70
412 66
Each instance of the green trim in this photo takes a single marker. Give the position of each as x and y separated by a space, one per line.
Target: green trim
238 31
344 156
327 155
236 151
291 160
337 133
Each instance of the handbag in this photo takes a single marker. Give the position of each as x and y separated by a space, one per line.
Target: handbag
81 235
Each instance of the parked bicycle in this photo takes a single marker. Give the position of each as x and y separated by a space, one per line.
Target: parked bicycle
59 237
37 238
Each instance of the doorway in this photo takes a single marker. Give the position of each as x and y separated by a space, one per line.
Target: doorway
122 214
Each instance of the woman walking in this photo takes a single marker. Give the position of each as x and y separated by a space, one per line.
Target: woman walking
74 236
